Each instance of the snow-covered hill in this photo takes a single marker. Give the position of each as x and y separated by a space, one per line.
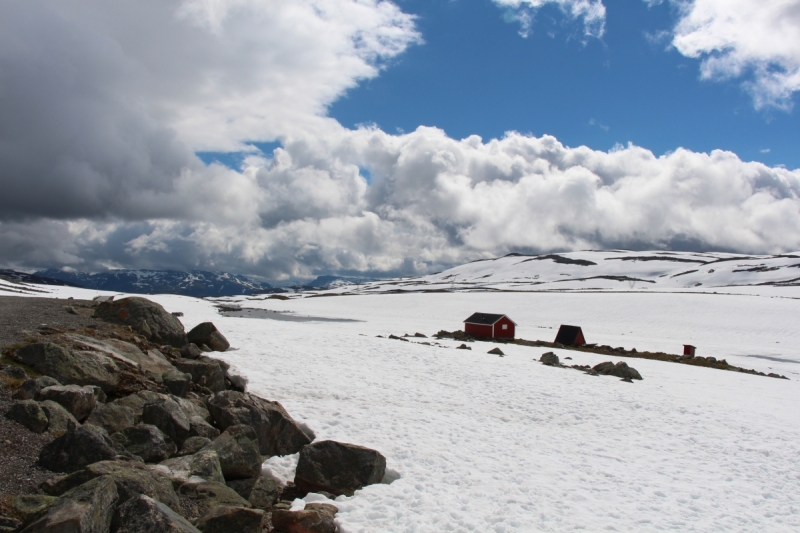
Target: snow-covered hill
196 283
603 270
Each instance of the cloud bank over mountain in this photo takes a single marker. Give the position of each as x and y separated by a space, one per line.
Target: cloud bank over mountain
105 104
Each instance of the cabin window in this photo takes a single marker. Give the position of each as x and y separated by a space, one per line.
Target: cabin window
505 326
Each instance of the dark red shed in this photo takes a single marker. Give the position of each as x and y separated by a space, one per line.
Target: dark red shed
689 350
570 336
490 325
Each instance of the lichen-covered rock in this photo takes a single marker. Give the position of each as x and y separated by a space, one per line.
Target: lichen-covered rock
205 372
30 414
79 401
203 465
208 334
86 509
176 382
143 514
70 367
620 370
549 359
112 417
237 449
206 495
77 449
277 432
167 415
261 491
192 445
200 428
226 519
59 420
145 441
31 507
145 317
338 468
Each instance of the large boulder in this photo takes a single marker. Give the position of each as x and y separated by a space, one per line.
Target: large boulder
145 317
59 420
310 520
176 382
145 441
77 449
202 496
338 468
200 428
262 491
79 401
203 465
168 416
620 370
208 334
112 417
192 445
31 387
237 449
278 433
151 363
549 359
31 507
143 514
88 508
30 414
226 519
191 351
70 367
136 401
205 371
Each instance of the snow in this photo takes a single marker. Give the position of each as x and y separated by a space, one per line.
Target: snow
484 443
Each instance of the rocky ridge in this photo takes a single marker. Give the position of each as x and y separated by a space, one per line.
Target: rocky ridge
141 430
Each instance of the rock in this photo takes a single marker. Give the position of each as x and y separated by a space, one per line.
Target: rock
261 491
152 363
238 383
496 351
200 428
146 441
191 351
85 509
278 433
549 359
59 420
136 401
113 417
79 401
206 495
463 347
27 391
305 521
143 514
226 519
31 507
420 336
207 333
620 370
338 468
13 372
30 414
145 317
206 372
70 367
167 416
192 445
237 449
204 465
133 382
176 382
76 449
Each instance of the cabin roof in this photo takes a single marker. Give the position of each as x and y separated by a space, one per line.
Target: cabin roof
486 319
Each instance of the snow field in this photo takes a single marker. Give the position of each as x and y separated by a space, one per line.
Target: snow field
502 444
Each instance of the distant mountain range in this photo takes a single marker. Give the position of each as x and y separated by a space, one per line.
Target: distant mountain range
24 277
197 283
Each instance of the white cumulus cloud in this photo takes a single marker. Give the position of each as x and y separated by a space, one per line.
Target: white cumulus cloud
591 12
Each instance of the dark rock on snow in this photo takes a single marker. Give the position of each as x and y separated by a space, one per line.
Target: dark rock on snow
338 468
191 351
205 371
620 370
496 351
207 333
144 317
549 359
261 491
226 519
309 520
146 515
237 449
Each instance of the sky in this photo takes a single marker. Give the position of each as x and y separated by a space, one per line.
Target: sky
292 139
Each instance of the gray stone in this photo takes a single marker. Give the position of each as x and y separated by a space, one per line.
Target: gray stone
237 449
30 414
305 521
176 382
59 420
112 417
143 514
549 359
261 491
31 507
192 445
204 372
13 372
208 334
27 391
338 468
206 495
76 449
620 370
201 428
145 441
86 509
167 416
136 402
145 317
191 351
204 465
79 401
278 433
495 351
75 367
227 519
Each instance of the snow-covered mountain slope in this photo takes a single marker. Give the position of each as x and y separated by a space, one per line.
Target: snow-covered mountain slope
24 277
196 283
604 270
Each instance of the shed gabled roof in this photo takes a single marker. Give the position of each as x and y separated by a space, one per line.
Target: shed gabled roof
486 319
568 334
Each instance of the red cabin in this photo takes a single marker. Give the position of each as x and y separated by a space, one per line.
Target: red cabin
489 325
688 349
570 336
